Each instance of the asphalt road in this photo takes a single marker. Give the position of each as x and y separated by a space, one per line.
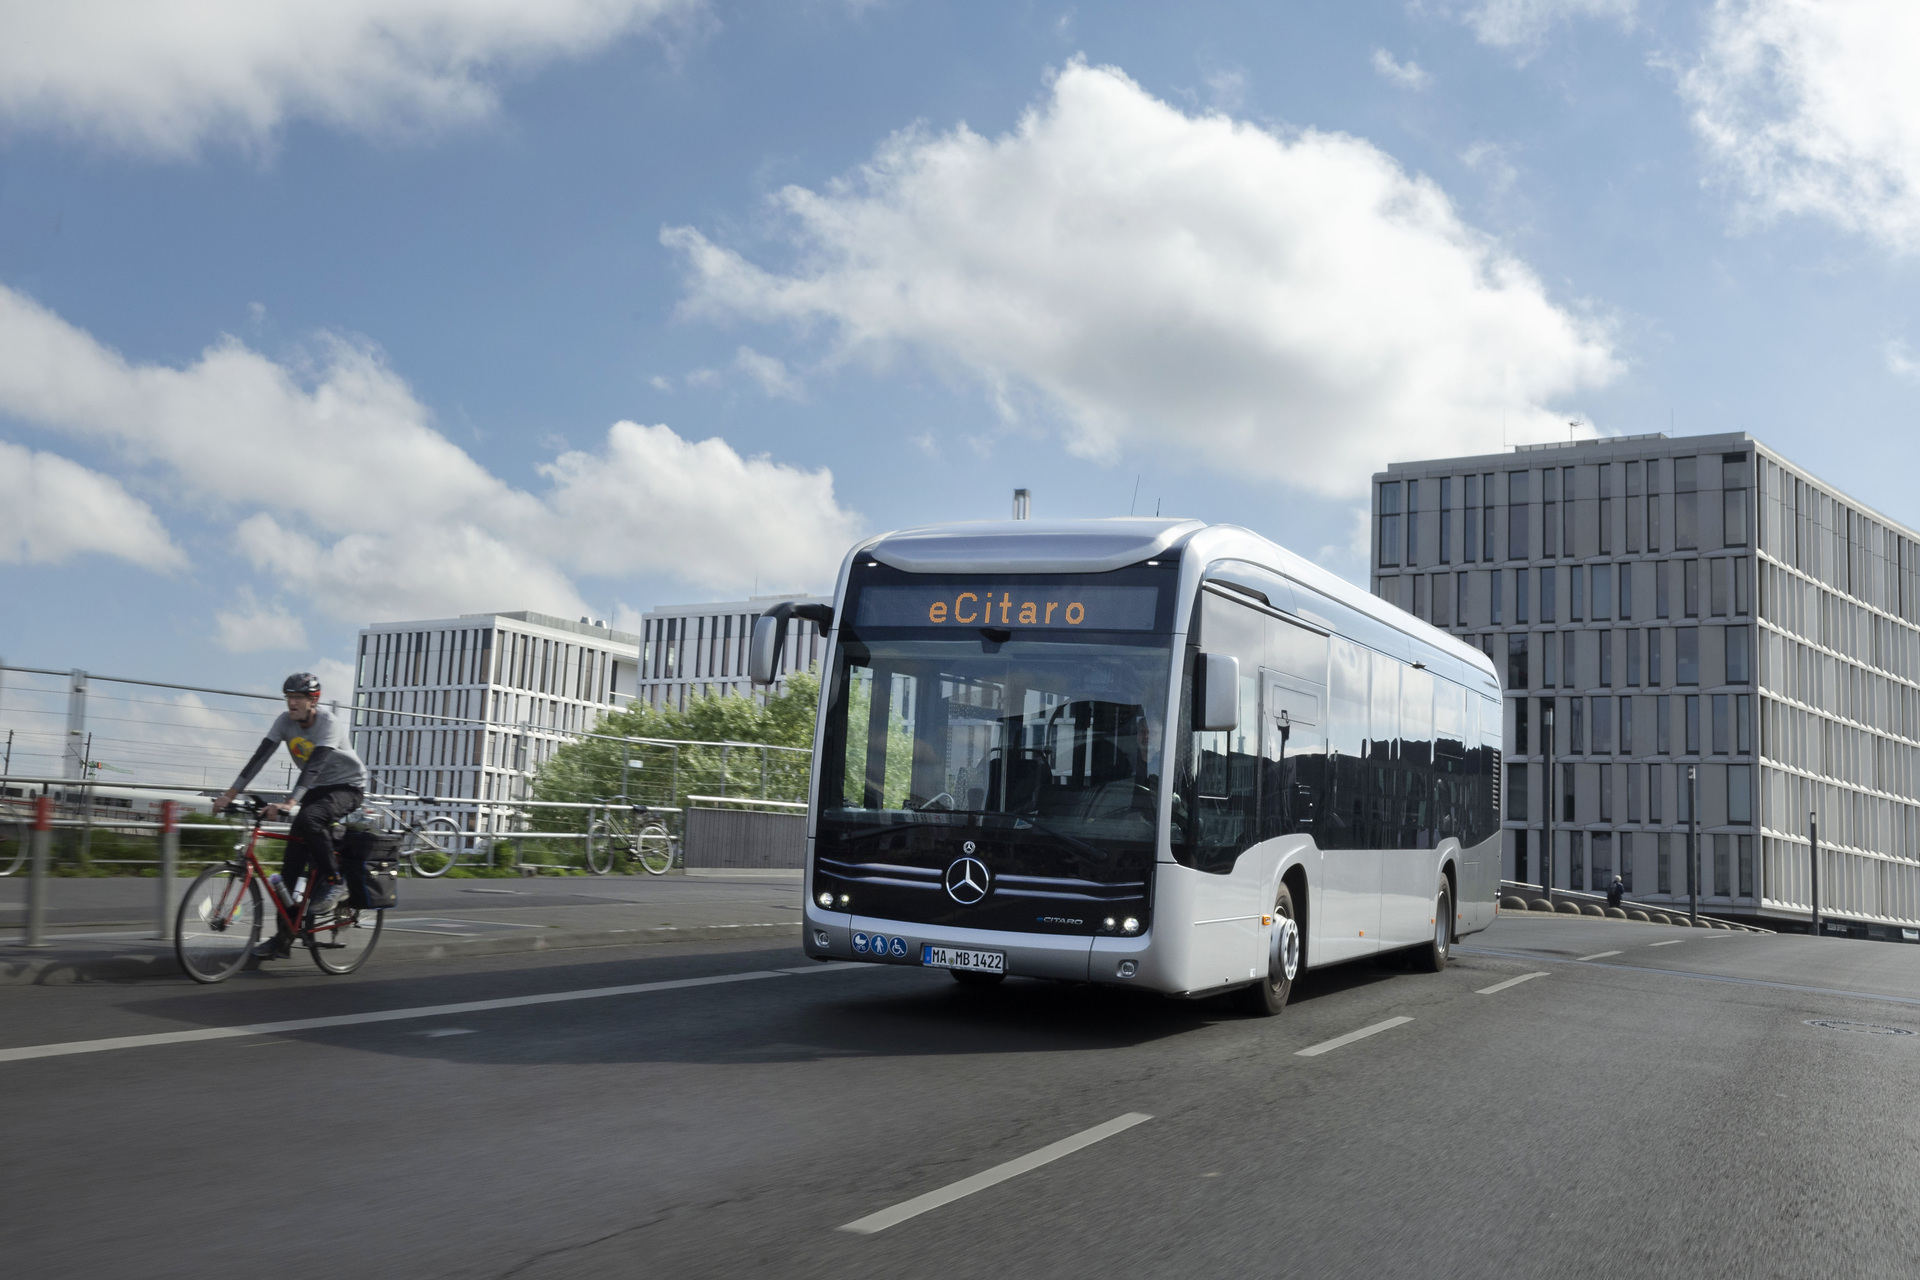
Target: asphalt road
1666 1110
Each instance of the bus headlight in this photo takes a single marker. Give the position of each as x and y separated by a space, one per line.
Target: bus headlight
1130 925
1108 923
826 899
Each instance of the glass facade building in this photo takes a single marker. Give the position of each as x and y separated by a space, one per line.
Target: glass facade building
1671 603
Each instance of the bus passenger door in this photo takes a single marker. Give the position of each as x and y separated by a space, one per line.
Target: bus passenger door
1347 923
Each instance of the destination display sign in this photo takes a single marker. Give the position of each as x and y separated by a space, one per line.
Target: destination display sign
1058 606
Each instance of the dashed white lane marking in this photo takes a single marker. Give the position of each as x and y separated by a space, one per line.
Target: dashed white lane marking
1670 942
1511 982
437 1032
398 1015
913 1208
1600 955
1326 1046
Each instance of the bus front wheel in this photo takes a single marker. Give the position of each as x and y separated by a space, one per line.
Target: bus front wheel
1266 998
1431 957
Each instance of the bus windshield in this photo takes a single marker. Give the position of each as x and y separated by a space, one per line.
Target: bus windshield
1056 731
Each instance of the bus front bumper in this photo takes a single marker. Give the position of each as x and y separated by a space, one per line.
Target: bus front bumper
831 935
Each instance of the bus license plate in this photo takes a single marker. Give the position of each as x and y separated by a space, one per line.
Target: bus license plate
951 958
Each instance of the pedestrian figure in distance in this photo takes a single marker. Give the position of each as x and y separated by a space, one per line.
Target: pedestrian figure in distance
1614 891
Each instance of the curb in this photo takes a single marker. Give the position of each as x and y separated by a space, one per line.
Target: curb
19 967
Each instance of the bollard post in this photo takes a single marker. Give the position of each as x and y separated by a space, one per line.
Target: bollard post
37 886
169 867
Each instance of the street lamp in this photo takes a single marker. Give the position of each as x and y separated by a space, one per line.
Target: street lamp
1813 842
1693 846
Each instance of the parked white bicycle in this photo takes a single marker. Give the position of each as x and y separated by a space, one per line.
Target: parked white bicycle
616 837
431 846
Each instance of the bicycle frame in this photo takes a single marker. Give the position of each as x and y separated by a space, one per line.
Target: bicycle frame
291 923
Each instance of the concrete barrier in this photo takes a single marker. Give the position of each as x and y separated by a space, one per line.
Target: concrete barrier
1540 904
745 840
1566 908
1641 916
1616 913
1511 903
1589 909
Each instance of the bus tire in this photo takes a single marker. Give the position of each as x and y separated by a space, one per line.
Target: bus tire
1265 999
1431 957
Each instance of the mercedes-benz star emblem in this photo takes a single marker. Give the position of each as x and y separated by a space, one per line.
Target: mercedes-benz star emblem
968 880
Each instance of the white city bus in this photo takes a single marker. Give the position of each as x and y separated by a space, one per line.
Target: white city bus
1147 753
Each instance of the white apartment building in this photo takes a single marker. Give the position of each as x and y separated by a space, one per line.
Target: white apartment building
470 707
694 650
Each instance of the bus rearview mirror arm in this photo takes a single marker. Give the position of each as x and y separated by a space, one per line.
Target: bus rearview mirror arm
770 636
1216 700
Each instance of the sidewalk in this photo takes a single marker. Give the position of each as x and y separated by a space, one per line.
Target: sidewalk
102 930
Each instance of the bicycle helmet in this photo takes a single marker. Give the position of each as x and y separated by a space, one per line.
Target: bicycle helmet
301 682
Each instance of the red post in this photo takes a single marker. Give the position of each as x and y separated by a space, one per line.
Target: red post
43 813
169 816
169 868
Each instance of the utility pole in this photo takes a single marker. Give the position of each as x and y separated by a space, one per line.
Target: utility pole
76 724
1546 851
1813 842
1693 846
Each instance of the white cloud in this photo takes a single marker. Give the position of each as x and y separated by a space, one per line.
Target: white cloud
53 509
1511 24
1815 110
251 627
770 373
1408 75
342 490
1900 361
1290 308
166 76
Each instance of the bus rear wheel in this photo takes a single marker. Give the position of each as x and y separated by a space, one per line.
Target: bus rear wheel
1431 956
1267 998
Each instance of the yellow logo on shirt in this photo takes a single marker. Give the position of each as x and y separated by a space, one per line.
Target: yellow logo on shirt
300 749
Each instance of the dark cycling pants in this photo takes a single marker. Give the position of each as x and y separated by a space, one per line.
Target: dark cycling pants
310 845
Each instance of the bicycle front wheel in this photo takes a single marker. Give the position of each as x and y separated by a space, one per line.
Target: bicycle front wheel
344 945
607 842
654 850
434 847
218 923
15 838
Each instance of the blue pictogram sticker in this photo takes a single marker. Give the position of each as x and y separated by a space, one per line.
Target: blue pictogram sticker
879 944
860 943
897 948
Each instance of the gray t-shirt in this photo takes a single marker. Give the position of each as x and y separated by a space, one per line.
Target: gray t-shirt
339 768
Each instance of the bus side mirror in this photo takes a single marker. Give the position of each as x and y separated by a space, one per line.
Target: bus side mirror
1216 702
763 656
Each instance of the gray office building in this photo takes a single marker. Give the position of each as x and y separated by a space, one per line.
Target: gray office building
1702 602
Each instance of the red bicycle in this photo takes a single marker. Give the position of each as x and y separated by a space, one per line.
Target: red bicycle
220 917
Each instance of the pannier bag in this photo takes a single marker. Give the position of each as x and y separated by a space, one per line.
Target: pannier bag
370 863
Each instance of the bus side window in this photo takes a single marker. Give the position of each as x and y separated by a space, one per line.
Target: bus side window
1218 787
1416 758
1342 818
1450 760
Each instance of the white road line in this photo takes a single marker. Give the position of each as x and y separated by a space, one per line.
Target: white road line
1670 942
1600 955
1326 1046
394 1015
913 1208
1514 982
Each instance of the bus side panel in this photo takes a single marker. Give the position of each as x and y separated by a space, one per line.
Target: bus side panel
1204 928
1479 885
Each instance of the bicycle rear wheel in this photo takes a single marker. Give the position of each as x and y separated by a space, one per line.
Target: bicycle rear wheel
218 923
345 944
434 847
15 839
654 849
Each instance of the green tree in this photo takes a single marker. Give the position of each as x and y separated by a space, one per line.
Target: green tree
589 769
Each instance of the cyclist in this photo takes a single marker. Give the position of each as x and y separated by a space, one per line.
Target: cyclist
331 785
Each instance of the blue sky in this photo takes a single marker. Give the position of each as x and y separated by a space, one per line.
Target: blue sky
320 314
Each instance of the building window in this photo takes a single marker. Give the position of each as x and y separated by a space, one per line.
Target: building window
1517 660
1520 735
1548 647
1717 584
1633 789
1601 843
1602 575
1653 657
1722 870
1733 495
1576 726
1549 606
1683 795
1743 723
1460 599
1420 602
1516 793
1487 516
1413 522
1690 588
1390 523
1740 794
1660 606
1602 727
1626 726
1576 861
1686 505
1549 511
1606 508
1442 598
1653 792
1662 864
1722 729
1606 658
1742 592
1566 791
1494 611
1737 650
1520 597
1516 515
1576 593
1653 504
1520 856
1569 667
1633 659
1470 520
1745 844
1636 511
1686 655
1693 724
1446 519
